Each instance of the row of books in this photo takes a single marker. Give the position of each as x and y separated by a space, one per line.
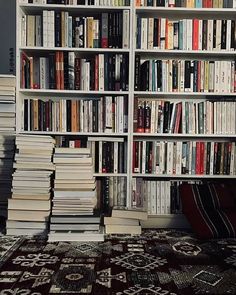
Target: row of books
67 70
185 75
110 154
111 191
186 34
107 114
31 186
59 29
80 2
159 197
188 3
186 117
184 157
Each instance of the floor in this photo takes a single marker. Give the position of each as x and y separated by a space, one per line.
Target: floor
158 262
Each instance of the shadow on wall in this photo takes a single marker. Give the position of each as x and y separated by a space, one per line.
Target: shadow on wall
7 36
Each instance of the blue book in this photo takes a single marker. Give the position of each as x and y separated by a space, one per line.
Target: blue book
180 35
198 3
70 31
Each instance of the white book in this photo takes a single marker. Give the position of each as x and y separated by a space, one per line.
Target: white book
169 163
210 34
150 31
228 35
153 198
101 72
126 24
217 76
45 28
144 35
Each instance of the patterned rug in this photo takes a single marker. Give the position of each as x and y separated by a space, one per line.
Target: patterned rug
159 262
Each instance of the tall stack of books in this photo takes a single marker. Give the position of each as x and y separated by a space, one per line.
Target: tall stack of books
75 197
7 147
124 221
29 206
7 103
7 144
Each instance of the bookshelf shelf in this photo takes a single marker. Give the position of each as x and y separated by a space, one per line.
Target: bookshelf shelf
187 12
181 135
110 174
33 8
182 176
79 50
209 95
203 53
73 93
75 133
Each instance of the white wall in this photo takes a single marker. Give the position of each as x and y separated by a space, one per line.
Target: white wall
7 36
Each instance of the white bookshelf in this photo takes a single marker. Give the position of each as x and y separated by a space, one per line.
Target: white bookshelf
172 13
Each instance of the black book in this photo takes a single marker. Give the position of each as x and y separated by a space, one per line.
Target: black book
26 114
149 2
110 30
57 29
233 35
73 31
177 3
120 29
43 118
214 33
175 75
106 197
80 2
40 114
137 73
204 34
121 157
68 115
92 74
160 3
155 34
195 76
159 75
167 113
144 76
66 72
187 74
223 33
208 157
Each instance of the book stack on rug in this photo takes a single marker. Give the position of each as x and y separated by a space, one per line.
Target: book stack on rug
7 150
7 103
124 221
7 138
29 206
75 197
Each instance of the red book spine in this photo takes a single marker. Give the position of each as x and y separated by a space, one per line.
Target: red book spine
195 34
198 157
61 56
77 73
202 151
178 116
58 76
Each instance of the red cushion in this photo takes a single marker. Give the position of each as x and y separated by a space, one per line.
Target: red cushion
212 196
206 211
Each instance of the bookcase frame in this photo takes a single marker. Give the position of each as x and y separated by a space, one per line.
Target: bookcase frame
168 220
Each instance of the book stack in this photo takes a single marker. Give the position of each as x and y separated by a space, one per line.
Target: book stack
75 197
7 146
7 103
124 221
29 206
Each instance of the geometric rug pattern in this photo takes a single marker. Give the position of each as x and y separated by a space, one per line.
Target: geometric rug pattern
162 262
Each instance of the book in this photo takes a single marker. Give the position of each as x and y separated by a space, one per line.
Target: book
131 214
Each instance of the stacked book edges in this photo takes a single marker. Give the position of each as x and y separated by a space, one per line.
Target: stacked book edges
30 205
124 221
74 198
7 104
7 147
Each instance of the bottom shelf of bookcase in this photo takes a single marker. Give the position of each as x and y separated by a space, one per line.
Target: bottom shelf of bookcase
165 221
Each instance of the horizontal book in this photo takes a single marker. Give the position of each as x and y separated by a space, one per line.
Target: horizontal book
131 214
123 229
